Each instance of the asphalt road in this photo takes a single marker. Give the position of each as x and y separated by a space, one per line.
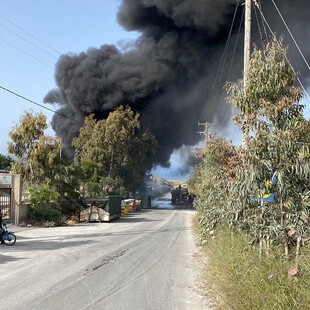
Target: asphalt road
142 261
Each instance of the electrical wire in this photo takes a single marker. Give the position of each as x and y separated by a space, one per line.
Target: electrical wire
236 44
259 28
19 49
258 3
220 68
38 104
72 119
29 42
29 34
302 86
289 31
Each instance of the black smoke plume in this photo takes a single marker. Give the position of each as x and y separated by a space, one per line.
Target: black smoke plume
168 74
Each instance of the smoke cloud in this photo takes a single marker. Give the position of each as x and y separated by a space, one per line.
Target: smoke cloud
168 73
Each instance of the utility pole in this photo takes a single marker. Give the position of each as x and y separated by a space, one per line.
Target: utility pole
247 55
247 38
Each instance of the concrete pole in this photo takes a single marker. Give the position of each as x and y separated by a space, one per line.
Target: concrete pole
247 38
247 54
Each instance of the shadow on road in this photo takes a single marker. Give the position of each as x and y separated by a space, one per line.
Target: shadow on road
7 258
130 219
46 245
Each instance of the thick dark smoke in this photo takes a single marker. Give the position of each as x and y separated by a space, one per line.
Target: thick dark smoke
168 74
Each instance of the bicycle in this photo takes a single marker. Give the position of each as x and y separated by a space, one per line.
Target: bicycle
7 238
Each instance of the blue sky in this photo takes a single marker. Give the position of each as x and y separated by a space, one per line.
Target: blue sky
68 26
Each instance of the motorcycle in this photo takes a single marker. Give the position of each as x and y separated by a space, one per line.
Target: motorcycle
8 238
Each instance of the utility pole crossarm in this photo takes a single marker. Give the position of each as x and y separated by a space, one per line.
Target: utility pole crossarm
206 131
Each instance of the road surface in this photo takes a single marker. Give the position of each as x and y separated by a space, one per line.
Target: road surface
142 261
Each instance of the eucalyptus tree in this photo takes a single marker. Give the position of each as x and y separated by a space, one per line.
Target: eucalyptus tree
115 152
130 148
35 152
274 157
210 183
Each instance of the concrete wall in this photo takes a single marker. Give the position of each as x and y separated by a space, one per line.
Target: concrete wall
23 212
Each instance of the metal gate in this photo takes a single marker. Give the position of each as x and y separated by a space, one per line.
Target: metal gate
5 203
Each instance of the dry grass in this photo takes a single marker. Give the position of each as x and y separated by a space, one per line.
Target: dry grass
235 278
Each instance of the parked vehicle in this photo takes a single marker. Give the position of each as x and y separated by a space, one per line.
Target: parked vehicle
8 238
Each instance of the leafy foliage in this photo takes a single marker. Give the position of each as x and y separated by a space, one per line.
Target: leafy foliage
44 214
6 162
271 116
274 159
114 152
64 177
210 182
35 153
41 195
43 202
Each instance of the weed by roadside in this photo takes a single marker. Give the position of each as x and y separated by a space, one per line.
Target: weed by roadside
235 279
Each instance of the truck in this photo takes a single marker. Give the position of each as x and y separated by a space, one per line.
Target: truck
181 195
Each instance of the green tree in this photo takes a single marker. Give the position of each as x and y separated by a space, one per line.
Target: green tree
35 152
91 156
6 162
210 183
130 149
276 149
114 152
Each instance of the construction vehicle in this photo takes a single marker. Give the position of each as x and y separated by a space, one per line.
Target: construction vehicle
181 195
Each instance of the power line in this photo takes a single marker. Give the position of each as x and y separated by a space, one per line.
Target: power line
258 3
235 47
72 119
289 31
259 27
265 20
28 33
28 41
222 61
38 104
37 59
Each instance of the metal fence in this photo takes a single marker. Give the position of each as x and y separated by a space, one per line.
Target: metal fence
5 203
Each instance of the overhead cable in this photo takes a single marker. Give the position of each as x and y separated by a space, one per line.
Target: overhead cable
235 47
289 31
28 41
38 104
70 118
259 28
302 86
223 58
34 57
28 33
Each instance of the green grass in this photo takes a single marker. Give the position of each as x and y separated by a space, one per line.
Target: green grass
235 278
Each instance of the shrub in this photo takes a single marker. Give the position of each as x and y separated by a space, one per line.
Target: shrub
42 195
45 214
43 201
69 207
